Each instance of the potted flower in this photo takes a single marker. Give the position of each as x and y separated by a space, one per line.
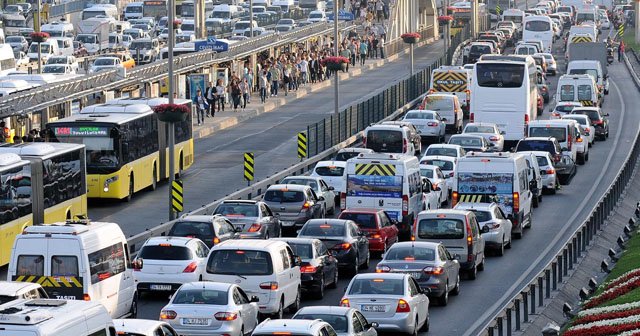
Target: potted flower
335 63
172 112
39 37
410 38
177 24
445 19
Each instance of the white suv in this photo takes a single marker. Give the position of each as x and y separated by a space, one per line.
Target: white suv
267 269
396 139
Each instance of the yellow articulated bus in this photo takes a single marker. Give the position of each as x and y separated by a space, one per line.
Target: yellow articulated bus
39 183
126 145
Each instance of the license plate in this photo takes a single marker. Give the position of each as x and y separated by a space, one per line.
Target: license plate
195 321
373 308
287 223
415 275
160 287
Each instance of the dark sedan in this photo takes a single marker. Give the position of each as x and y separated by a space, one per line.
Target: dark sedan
319 268
471 143
253 219
598 120
345 240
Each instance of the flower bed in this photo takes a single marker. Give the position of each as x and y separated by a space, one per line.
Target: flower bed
610 309
623 278
410 38
605 316
613 292
605 327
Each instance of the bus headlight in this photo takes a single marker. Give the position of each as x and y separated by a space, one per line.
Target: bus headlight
108 181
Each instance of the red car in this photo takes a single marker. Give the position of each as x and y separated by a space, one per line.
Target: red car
376 224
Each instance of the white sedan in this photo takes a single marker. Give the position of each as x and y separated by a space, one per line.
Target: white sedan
428 123
435 175
334 173
585 122
211 308
393 300
447 165
105 64
489 131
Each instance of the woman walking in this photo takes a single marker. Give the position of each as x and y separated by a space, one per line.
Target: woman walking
236 93
244 89
220 95
201 106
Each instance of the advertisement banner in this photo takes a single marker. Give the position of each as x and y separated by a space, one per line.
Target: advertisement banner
485 183
197 81
374 186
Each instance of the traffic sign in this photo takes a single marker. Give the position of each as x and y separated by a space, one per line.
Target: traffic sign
211 43
498 9
621 30
248 166
177 202
302 145
342 15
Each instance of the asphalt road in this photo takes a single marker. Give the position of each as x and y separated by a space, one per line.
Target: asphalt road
557 216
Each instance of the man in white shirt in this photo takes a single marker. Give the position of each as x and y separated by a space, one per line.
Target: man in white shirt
304 68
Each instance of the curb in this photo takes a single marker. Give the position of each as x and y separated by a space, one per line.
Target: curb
273 103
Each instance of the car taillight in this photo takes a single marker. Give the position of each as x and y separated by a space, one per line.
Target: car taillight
550 171
308 269
516 203
225 316
492 225
454 198
597 122
190 268
432 124
451 174
405 205
403 307
493 138
344 303
343 201
216 240
555 114
343 246
526 119
86 297
383 269
433 270
271 285
137 265
404 145
469 236
569 141
255 227
557 158
471 117
587 131
579 140
168 314
307 205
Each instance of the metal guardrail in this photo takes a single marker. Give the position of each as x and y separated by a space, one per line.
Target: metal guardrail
68 8
48 95
533 293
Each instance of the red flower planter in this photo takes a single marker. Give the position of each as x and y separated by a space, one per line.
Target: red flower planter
410 38
335 63
39 37
172 113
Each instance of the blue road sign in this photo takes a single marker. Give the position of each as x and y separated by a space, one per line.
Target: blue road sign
342 15
212 44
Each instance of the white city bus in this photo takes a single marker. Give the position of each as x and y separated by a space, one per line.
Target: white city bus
514 15
493 80
538 27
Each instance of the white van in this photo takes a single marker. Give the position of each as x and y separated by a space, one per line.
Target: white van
102 10
564 130
390 182
449 107
77 260
578 88
58 29
133 10
47 49
50 317
593 68
502 178
267 269
65 46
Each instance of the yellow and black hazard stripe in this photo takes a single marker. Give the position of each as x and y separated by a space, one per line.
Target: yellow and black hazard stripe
449 81
248 166
49 281
581 39
375 169
587 103
302 145
177 198
473 198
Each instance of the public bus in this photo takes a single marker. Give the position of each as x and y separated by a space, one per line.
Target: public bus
538 27
126 145
39 183
154 8
514 15
493 80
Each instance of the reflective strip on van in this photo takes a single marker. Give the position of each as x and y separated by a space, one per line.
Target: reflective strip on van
375 169
477 198
587 103
57 287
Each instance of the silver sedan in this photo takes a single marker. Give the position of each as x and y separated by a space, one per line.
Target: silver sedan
489 131
206 308
344 320
496 228
429 124
320 187
254 219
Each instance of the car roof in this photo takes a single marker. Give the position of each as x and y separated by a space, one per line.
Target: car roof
539 139
438 157
221 286
428 166
137 326
241 201
12 287
444 146
355 150
330 310
294 240
588 108
332 221
465 135
258 244
289 325
430 213
302 177
287 187
416 244
381 275
479 124
342 164
177 241
196 218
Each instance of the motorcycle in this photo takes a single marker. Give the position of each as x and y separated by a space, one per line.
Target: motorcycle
609 55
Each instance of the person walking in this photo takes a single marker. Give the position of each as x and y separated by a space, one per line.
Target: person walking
374 46
236 93
220 95
263 85
245 89
381 45
347 54
352 51
275 80
620 51
304 70
201 106
250 81
363 51
286 78
208 95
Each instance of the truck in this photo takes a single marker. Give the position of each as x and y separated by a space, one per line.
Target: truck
94 33
589 51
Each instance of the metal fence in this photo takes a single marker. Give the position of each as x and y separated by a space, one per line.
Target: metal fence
336 128
532 295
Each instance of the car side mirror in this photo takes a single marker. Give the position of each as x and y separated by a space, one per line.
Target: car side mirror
485 229
254 299
373 325
332 188
238 229
565 149
606 114
456 256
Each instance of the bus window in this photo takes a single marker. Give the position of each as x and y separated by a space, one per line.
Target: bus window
567 93
500 75
63 179
15 193
537 26
584 92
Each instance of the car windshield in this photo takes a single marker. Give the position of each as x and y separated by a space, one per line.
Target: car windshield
55 69
557 132
479 129
385 141
410 253
440 228
363 220
301 250
338 322
281 28
220 15
201 296
241 25
86 38
322 230
537 26
377 286
442 164
300 181
285 22
140 45
237 210
480 49
542 161
466 141
284 196
581 121
44 49
15 23
315 16
344 156
330 171
240 262
165 252
428 173
14 39
500 75
57 60
192 229
453 152
565 108
535 145
104 61
420 115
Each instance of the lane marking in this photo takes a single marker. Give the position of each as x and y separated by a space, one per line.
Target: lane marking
492 311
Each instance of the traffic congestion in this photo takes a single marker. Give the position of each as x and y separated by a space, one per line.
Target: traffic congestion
390 236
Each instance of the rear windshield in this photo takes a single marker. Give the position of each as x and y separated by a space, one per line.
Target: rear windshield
410 253
482 216
479 129
330 171
377 286
592 72
237 210
537 26
196 229
565 108
288 196
453 152
157 252
582 121
344 156
466 142
567 93
363 220
480 49
241 262
557 132
593 115
438 103
442 164
584 92
440 228
338 322
322 230
298 181
419 115
535 145
428 173
500 75
542 161
201 296
302 250
385 141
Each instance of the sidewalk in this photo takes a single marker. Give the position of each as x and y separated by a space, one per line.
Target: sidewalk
228 118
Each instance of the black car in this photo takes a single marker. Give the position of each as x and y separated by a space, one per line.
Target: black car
565 167
211 230
598 120
345 240
319 268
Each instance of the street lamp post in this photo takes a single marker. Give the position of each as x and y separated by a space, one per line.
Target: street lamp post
336 50
38 29
171 84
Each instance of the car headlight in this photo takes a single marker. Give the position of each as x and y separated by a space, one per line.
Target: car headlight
108 181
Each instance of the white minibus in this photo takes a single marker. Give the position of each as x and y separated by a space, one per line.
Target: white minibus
539 27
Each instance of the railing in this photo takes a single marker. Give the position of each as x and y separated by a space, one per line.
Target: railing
532 294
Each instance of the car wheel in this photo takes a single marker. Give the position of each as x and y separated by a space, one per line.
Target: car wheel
580 160
154 180
518 235
280 313
500 251
319 295
586 157
133 311
266 236
296 304
130 195
334 284
472 274
456 290
481 264
366 262
443 300
535 201
425 326
354 270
